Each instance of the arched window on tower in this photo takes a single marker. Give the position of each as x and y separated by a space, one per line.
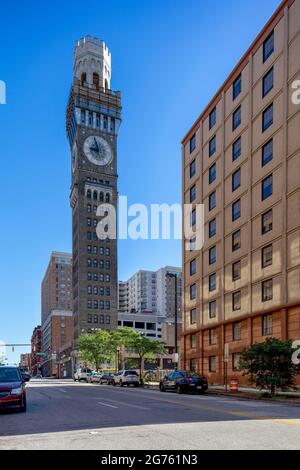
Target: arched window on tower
89 194
107 197
101 197
83 79
96 81
95 196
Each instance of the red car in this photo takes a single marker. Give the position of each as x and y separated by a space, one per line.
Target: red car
12 388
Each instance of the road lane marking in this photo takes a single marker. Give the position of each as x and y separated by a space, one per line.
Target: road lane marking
227 412
106 404
129 405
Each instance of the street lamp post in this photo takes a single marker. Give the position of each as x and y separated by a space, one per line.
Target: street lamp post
118 352
174 275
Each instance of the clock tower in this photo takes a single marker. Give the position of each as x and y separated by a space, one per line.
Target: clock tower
93 120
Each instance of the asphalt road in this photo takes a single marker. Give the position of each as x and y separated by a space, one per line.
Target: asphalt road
65 415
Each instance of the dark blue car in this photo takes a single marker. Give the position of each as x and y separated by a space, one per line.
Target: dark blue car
184 381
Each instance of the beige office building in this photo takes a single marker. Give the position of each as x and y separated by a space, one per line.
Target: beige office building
241 159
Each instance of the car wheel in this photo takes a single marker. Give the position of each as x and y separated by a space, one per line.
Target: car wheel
114 383
200 392
74 379
162 388
121 383
137 384
178 389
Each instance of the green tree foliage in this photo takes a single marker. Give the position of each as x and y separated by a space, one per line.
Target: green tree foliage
96 348
269 364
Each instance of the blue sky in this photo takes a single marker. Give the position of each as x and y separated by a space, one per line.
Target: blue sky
169 58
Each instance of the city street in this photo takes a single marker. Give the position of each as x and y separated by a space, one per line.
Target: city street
68 415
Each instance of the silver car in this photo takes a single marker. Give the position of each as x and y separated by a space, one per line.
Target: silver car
126 377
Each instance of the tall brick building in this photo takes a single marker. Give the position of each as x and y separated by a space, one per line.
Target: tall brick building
57 322
92 121
241 159
36 348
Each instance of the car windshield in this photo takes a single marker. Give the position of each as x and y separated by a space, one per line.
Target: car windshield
191 374
9 375
130 372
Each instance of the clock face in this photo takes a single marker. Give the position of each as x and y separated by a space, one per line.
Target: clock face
97 150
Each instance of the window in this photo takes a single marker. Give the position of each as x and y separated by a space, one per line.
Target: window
236 357
212 282
212 173
236 118
193 217
237 87
212 309
89 208
212 146
267 256
267 153
212 337
193 267
89 318
192 168
89 194
236 179
193 292
107 319
193 314
107 305
236 210
193 365
193 341
212 255
89 304
267 83
267 187
193 244
236 301
268 46
267 222
236 271
212 118
236 240
212 362
95 304
237 331
267 325
212 228
236 149
267 290
192 143
267 118
89 289
212 201
193 193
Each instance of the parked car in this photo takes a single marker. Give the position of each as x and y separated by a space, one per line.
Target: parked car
184 381
12 388
107 378
126 377
94 377
82 374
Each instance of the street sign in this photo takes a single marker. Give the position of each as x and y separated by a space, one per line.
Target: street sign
41 354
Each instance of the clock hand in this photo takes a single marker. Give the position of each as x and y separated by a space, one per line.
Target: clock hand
96 143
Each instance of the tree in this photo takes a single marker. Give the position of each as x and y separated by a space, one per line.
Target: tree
270 364
146 349
96 348
123 338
